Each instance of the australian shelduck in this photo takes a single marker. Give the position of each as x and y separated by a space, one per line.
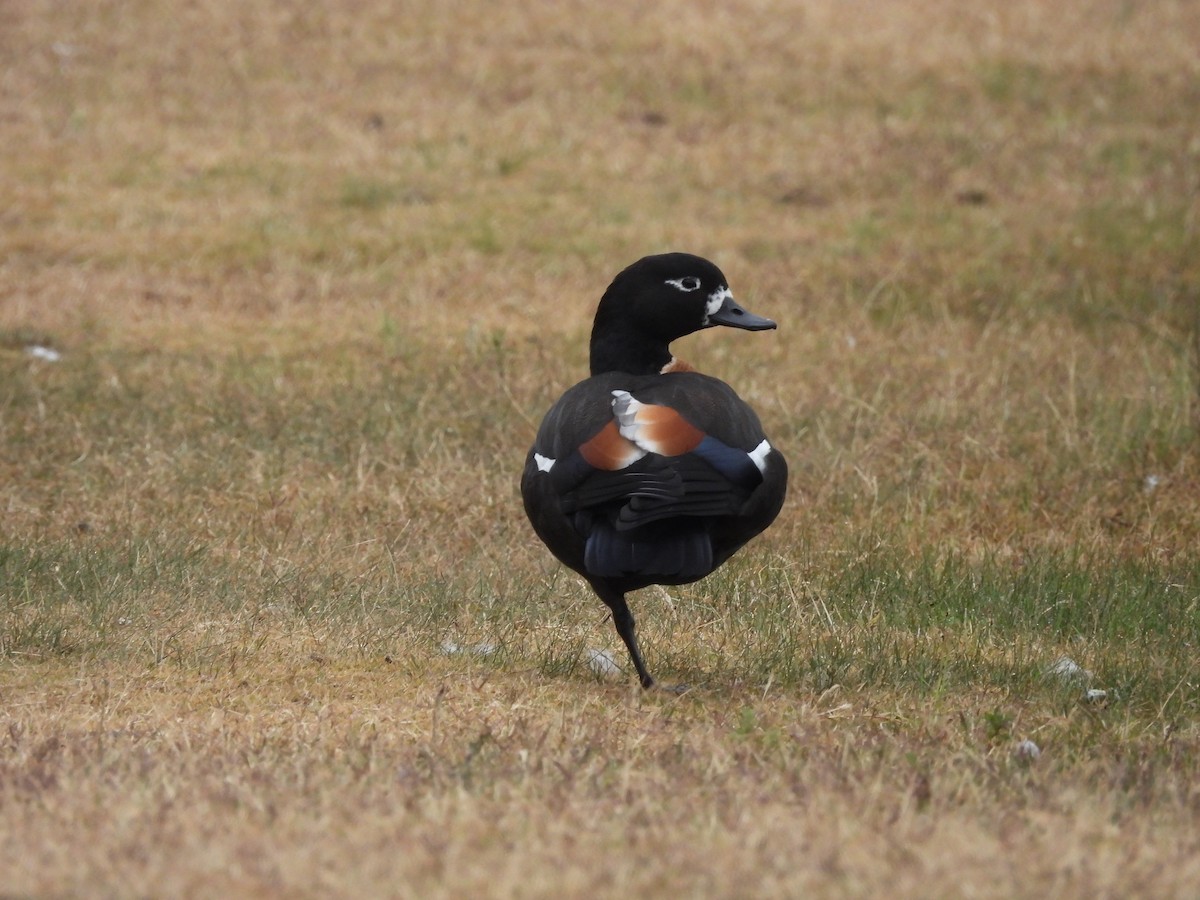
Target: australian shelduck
649 472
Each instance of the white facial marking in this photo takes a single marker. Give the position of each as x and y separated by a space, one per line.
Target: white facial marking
544 463
758 456
687 284
715 299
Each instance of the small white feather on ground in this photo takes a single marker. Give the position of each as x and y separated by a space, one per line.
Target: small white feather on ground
47 354
485 648
1028 750
1067 669
602 663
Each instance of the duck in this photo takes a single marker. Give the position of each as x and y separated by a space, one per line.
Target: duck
649 472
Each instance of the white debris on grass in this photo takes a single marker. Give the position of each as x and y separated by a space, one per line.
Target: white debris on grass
1150 482
1028 750
602 663
1068 670
484 648
1071 672
46 354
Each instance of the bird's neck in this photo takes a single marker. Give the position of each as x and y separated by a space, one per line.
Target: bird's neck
625 350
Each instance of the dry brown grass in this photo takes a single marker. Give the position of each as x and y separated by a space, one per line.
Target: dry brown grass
315 273
313 778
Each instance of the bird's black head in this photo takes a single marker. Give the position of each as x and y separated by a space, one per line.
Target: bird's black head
656 300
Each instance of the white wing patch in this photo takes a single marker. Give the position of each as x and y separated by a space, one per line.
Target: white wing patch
625 408
544 463
758 455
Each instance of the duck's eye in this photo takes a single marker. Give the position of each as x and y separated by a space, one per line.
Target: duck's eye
687 284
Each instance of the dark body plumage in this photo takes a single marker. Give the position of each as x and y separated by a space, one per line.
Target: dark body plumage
648 472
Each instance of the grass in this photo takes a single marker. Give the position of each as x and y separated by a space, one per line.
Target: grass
271 619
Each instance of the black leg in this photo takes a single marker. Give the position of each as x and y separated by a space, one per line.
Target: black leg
623 619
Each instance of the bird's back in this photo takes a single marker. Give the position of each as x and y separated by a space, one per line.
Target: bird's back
653 479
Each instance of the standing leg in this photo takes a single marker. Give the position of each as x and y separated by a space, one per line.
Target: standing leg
623 619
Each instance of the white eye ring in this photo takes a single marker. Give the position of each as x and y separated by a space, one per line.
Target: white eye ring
687 284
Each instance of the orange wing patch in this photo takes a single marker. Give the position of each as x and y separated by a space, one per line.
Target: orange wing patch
610 451
656 429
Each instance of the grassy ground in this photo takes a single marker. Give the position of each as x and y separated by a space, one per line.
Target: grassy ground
271 619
